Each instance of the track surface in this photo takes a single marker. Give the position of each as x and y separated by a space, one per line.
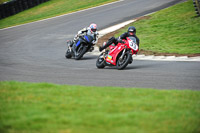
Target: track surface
35 52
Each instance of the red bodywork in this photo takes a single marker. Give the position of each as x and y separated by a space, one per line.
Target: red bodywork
115 50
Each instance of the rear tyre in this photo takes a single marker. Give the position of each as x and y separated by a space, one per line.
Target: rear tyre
122 63
100 63
68 54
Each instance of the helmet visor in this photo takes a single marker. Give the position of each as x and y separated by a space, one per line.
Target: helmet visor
131 33
94 30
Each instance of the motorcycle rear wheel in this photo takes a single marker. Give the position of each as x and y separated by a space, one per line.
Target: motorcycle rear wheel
121 64
100 63
68 54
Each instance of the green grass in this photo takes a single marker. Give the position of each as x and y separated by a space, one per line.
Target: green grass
42 107
2 1
171 30
50 9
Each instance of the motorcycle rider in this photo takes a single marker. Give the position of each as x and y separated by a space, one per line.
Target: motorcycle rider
131 32
91 30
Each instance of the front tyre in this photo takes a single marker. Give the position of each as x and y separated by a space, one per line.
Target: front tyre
100 63
123 62
80 52
68 54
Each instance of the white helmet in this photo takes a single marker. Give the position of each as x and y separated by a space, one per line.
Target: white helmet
93 27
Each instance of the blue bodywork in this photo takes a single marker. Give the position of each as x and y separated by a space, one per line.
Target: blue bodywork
87 39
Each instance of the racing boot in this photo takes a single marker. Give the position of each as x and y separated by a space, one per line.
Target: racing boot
91 49
108 43
69 43
103 47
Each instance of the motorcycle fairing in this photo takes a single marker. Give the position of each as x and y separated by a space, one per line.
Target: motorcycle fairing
86 39
112 56
78 43
133 44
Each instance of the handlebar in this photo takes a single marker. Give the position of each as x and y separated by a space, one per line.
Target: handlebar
121 41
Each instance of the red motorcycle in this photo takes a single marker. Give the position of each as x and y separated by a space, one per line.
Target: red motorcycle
119 55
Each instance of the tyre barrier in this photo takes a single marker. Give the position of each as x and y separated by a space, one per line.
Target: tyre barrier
196 4
15 6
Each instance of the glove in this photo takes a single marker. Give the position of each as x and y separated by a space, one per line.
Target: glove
79 32
121 41
75 37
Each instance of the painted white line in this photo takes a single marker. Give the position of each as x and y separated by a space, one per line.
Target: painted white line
165 58
63 15
156 58
143 57
114 28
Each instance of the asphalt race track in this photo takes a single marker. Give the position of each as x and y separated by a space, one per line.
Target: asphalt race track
35 52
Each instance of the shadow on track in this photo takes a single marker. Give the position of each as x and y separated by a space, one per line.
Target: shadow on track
84 58
132 67
89 57
138 67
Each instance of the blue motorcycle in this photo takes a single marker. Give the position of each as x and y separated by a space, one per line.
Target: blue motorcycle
80 47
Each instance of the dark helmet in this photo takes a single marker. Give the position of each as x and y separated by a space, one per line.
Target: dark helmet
131 30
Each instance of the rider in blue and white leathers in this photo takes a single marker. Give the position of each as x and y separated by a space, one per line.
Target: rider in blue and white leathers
91 30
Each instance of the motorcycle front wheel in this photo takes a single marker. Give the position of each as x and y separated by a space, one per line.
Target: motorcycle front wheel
80 52
100 63
123 62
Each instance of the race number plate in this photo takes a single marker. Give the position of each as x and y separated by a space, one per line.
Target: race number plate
133 45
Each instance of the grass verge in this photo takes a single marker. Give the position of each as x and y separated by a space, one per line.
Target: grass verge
172 30
50 9
44 107
2 1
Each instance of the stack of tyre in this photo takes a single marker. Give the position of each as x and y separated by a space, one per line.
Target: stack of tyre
196 4
15 6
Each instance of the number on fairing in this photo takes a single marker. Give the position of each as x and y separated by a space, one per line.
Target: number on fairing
133 45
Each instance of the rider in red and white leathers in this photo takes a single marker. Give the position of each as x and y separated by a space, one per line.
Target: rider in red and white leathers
131 32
